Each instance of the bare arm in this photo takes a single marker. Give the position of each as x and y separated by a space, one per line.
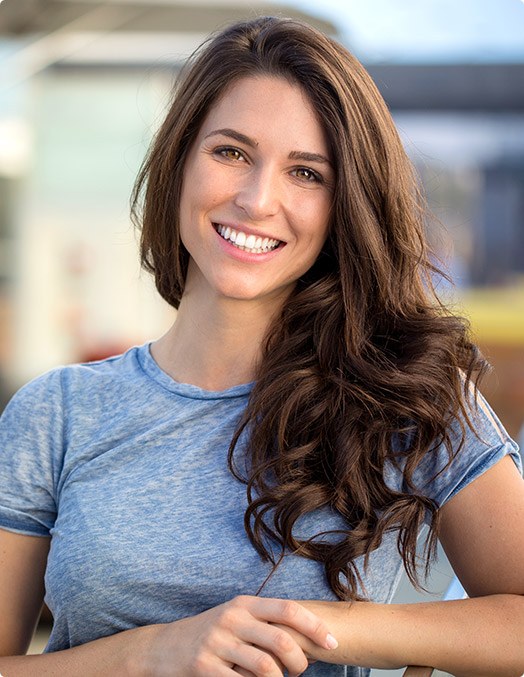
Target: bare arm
243 632
22 566
476 638
483 536
238 633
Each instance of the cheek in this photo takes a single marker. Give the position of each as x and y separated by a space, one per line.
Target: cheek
209 190
317 215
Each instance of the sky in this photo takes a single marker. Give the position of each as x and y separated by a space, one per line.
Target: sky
427 31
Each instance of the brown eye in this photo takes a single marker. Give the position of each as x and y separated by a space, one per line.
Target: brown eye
307 175
230 153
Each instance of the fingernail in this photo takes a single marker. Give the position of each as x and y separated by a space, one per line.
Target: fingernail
331 642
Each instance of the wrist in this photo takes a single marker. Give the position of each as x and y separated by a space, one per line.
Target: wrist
139 652
337 616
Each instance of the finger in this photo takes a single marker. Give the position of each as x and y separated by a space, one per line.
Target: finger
277 642
243 672
253 660
293 614
246 673
217 669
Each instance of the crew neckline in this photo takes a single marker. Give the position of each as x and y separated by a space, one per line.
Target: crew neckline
153 370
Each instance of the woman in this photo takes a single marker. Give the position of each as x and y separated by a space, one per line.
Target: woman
310 361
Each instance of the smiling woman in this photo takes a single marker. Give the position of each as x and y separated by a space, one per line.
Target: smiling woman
241 495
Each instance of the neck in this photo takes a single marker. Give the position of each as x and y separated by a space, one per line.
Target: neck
214 343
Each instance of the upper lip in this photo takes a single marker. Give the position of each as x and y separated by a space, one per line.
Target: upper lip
247 230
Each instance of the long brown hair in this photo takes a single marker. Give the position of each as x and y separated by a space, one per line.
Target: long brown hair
364 367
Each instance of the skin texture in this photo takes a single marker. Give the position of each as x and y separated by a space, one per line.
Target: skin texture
226 309
259 185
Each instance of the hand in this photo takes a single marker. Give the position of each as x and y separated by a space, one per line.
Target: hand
239 636
246 673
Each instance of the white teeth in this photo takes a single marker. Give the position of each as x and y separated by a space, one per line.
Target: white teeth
250 243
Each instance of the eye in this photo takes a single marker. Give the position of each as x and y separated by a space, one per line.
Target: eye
230 153
307 175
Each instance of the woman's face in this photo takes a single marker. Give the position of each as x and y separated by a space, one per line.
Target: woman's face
257 192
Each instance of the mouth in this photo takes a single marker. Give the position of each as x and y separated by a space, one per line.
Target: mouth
247 243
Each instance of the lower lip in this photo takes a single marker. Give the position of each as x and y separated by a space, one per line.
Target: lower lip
248 257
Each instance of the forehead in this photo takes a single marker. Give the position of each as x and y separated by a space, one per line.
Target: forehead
268 108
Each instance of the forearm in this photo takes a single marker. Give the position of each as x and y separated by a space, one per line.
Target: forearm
241 632
118 655
471 638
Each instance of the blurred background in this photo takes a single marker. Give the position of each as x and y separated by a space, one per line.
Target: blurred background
84 83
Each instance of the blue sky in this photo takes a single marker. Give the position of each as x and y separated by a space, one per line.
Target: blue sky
427 30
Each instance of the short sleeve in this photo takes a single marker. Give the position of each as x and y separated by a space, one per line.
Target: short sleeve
31 443
484 445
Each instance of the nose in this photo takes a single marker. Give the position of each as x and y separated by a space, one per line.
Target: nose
259 195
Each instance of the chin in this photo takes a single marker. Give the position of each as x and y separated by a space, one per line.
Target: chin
240 294
243 292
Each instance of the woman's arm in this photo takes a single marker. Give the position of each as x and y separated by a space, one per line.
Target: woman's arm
22 566
475 638
483 535
244 632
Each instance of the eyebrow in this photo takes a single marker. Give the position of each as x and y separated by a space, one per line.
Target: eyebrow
294 155
308 157
241 138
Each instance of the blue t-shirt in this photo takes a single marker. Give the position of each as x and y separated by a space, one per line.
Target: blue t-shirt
126 470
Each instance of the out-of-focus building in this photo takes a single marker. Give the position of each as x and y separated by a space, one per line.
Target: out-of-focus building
463 125
83 85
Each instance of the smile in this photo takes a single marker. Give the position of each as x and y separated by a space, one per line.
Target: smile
247 243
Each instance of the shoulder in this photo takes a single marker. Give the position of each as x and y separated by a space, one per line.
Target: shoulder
67 378
115 369
53 393
479 441
485 439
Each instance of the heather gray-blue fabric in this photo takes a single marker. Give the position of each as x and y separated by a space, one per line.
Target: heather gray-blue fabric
126 471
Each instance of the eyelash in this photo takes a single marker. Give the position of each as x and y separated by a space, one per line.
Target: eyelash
315 177
222 151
